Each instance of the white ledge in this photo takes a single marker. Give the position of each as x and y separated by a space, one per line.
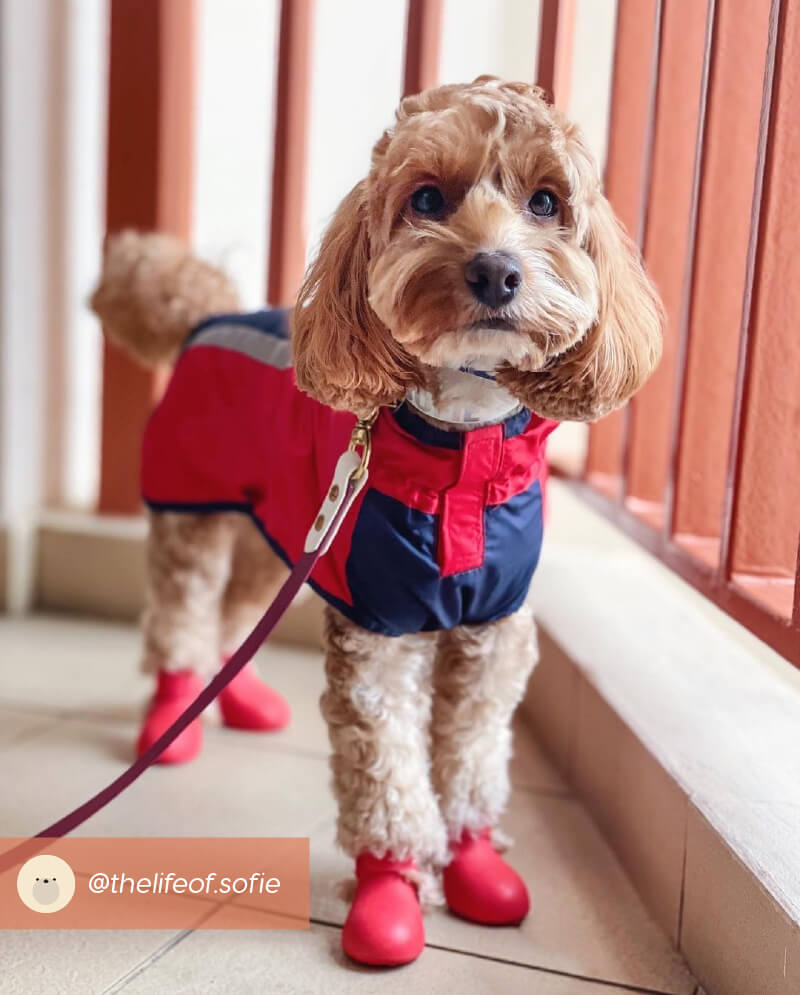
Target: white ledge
717 709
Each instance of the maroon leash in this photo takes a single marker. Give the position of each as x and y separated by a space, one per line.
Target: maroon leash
349 479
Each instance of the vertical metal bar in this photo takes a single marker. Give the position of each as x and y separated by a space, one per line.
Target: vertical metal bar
642 213
684 330
630 128
177 54
667 241
287 252
796 611
766 518
151 114
708 360
423 43
655 78
554 62
745 338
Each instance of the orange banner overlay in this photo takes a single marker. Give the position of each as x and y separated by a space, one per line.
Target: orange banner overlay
156 883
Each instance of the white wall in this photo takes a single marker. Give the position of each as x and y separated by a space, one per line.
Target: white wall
53 67
358 51
76 183
24 231
592 65
237 61
500 37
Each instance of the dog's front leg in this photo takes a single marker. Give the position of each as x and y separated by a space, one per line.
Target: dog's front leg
480 677
377 706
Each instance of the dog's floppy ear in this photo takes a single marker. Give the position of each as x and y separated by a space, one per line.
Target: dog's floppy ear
623 347
343 354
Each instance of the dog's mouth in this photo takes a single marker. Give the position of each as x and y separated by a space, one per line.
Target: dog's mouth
492 324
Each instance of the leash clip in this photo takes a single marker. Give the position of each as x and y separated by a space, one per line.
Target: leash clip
361 438
348 481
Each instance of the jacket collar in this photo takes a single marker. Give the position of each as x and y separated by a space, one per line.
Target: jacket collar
415 425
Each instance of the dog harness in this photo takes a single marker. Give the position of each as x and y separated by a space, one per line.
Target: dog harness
447 531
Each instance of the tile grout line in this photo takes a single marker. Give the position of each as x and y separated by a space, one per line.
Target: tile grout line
142 966
156 955
32 733
516 963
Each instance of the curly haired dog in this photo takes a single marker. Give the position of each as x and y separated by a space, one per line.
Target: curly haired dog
473 286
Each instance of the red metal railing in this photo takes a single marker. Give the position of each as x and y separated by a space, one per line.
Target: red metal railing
149 182
703 467
287 251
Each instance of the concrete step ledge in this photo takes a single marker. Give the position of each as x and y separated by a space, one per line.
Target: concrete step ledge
95 565
682 733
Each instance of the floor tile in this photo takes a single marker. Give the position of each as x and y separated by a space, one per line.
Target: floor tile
311 963
76 669
68 722
226 791
299 675
586 919
61 665
72 962
17 723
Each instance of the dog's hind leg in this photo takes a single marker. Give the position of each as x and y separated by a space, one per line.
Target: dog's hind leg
188 566
257 574
479 679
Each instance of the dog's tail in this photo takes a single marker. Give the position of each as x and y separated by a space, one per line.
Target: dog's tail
153 291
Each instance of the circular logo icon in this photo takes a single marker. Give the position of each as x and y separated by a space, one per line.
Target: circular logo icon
46 883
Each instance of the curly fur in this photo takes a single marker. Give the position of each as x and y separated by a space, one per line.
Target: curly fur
378 705
386 301
153 291
480 678
208 579
420 730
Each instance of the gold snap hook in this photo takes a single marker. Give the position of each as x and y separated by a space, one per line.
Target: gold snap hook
361 438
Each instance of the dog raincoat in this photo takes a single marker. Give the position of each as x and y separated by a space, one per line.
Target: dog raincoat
447 531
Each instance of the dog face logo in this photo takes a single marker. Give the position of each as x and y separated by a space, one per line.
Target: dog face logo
46 891
46 883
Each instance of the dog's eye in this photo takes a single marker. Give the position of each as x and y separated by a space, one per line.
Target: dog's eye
543 204
427 200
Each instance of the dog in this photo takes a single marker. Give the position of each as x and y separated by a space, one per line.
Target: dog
476 289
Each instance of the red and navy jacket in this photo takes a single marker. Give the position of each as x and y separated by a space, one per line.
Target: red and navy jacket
447 531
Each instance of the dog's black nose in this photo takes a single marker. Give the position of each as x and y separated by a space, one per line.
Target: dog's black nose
493 277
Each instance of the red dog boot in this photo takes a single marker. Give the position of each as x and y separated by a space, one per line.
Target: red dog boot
174 691
479 885
384 926
248 703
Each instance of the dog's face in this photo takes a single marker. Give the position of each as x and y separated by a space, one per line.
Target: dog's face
480 237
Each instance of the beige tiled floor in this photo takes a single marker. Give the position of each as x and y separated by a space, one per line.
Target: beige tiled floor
69 699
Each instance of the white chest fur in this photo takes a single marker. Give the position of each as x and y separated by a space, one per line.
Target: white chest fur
464 399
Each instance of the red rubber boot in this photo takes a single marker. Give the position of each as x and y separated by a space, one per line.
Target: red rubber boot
480 886
174 691
384 926
248 703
